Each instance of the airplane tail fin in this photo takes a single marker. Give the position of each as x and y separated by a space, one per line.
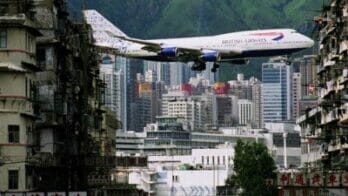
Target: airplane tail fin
100 23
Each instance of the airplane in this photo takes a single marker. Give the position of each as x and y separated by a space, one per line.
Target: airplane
234 48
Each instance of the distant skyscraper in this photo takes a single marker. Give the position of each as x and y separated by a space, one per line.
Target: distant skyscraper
180 73
107 74
276 91
132 68
309 90
163 73
241 88
308 71
147 106
150 76
257 100
296 95
209 75
226 110
120 99
111 72
245 112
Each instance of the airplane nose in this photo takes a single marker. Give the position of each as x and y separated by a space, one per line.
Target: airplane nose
310 42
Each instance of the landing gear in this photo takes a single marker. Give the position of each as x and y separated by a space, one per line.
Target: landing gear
288 60
215 67
198 66
201 66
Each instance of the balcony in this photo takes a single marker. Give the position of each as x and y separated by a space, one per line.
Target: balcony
334 145
344 78
312 113
332 116
343 46
333 56
324 32
315 134
344 117
324 92
327 62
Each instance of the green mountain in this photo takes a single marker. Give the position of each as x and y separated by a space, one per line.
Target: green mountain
178 18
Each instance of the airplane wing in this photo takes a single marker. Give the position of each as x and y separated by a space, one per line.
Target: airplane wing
184 52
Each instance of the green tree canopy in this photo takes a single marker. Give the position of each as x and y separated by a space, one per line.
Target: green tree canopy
253 169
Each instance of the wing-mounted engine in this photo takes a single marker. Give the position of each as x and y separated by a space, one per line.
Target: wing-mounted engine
169 52
210 56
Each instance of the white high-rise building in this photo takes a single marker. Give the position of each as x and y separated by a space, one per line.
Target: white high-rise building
107 74
276 91
188 109
245 111
170 97
112 73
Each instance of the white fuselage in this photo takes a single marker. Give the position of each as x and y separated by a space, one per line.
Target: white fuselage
250 44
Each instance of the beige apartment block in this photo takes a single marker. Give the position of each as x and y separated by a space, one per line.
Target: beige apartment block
17 99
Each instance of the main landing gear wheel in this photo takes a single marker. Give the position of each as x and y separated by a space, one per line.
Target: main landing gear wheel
198 66
215 67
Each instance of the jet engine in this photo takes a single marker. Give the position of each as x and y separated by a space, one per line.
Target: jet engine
171 51
210 56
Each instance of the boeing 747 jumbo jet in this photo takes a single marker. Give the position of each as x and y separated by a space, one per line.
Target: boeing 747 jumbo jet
233 48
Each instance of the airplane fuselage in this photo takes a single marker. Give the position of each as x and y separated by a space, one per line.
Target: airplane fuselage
234 47
257 43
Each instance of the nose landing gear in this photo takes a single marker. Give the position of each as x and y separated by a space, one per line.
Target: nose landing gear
215 67
198 66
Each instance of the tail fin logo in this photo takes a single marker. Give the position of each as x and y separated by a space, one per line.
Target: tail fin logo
278 35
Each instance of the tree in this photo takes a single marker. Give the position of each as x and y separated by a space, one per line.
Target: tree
254 169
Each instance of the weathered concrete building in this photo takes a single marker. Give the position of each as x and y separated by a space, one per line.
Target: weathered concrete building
324 128
55 134
18 95
327 122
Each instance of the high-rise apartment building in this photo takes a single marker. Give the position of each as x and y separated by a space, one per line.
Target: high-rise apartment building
325 126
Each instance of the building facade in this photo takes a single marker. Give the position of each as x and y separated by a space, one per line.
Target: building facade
245 112
276 91
296 95
18 96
